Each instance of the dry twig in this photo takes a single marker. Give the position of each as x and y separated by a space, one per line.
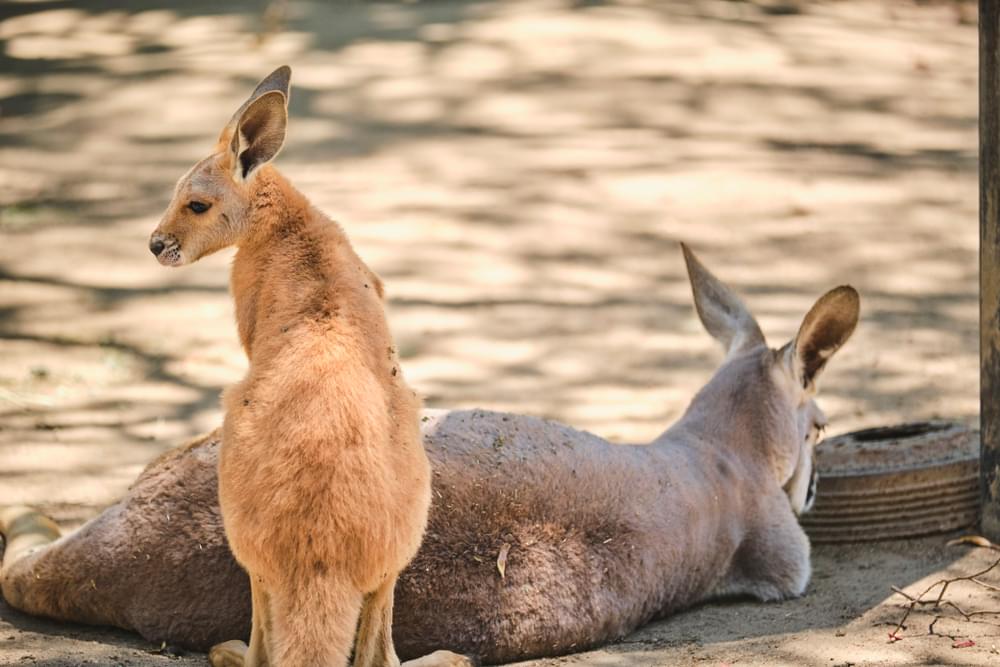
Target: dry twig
939 602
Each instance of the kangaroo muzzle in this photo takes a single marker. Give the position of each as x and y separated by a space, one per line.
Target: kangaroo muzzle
166 249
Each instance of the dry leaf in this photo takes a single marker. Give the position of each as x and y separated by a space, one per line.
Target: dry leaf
974 540
502 559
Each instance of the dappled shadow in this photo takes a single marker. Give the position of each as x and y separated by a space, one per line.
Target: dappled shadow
848 581
113 647
522 201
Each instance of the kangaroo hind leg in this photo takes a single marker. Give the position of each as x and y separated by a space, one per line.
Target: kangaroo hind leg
373 644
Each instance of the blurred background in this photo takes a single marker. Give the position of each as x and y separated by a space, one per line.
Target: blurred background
519 172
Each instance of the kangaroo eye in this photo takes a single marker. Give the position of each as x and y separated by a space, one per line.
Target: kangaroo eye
199 206
818 429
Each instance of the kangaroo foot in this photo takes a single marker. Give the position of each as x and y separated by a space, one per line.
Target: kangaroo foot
228 654
24 530
442 659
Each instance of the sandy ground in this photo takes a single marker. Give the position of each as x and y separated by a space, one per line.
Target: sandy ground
519 172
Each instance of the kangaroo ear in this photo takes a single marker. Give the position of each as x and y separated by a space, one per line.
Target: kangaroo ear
256 131
827 326
721 312
259 133
278 81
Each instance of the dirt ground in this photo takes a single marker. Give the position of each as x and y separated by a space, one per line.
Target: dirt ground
519 172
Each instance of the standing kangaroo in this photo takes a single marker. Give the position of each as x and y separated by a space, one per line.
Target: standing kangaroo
597 539
323 482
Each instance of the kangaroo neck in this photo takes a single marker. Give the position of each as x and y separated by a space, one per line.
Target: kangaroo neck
275 209
278 263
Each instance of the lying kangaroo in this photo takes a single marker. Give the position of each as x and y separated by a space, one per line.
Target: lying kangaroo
324 485
542 540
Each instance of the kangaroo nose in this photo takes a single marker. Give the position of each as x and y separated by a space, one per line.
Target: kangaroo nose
156 246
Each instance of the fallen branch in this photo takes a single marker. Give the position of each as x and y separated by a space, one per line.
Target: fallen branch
938 602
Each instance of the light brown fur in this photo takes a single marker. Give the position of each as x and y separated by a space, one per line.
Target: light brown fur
601 538
323 482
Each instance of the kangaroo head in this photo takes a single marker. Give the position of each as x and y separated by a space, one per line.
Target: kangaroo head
212 202
762 399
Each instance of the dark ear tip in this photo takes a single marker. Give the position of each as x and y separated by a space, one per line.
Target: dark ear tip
690 259
848 296
278 80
